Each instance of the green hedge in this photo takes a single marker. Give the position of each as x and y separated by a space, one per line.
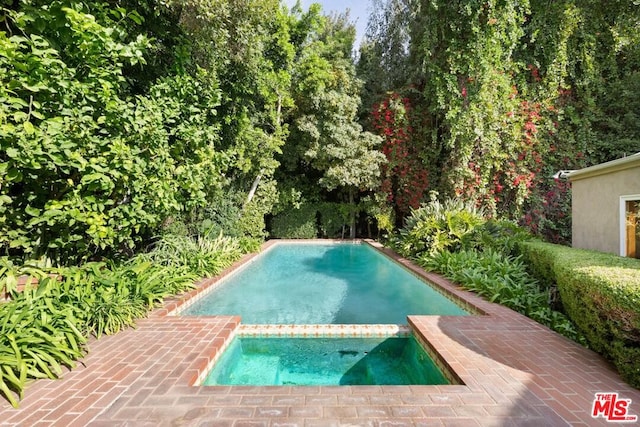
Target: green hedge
296 223
333 217
600 293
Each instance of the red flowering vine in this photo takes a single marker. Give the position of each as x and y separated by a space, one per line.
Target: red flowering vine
405 178
503 182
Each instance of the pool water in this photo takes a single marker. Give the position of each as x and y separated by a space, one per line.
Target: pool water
342 283
322 361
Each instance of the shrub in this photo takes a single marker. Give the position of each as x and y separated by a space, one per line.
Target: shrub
437 227
46 326
491 275
501 279
454 239
333 216
295 223
498 235
601 294
221 215
203 256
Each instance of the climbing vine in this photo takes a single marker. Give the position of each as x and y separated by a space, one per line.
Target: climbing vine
405 179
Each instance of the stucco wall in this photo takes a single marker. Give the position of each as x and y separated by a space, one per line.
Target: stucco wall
596 208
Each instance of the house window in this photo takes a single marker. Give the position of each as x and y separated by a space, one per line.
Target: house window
632 228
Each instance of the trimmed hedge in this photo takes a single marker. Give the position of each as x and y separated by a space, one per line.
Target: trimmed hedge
333 217
296 223
311 220
600 293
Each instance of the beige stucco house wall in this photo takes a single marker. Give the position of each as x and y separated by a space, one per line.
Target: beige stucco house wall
598 201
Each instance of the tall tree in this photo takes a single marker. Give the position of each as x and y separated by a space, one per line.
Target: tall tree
383 64
326 136
247 45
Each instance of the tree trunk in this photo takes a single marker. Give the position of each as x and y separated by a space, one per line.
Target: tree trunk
353 215
254 187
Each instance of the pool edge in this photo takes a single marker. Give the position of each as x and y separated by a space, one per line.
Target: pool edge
440 284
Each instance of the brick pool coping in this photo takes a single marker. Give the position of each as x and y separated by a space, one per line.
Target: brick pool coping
515 372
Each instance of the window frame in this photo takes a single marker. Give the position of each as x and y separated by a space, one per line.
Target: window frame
623 220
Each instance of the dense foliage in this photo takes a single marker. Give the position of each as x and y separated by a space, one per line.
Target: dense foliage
296 223
119 118
405 179
327 145
87 167
124 121
601 294
46 327
503 95
482 256
116 120
312 220
147 143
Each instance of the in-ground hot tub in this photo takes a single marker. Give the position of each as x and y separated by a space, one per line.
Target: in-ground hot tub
325 361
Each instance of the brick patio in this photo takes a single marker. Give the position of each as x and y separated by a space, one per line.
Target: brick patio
515 372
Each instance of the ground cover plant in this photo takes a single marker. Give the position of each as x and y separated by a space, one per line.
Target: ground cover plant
46 327
454 239
504 280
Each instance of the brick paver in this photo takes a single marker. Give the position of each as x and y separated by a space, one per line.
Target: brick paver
514 373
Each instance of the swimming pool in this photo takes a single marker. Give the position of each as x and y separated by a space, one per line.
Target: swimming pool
323 283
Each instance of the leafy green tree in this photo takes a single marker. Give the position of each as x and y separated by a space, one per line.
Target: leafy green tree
247 45
327 144
86 168
346 155
383 64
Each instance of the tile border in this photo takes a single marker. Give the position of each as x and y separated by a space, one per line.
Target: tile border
324 331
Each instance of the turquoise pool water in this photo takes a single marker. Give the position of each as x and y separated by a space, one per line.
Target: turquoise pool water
323 284
319 361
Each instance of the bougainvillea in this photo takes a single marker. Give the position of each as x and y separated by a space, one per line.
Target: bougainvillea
404 177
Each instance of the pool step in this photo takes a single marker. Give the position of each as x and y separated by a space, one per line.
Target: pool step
257 370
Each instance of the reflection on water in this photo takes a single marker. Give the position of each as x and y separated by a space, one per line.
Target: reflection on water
323 284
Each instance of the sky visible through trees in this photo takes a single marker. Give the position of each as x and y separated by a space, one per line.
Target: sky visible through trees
358 12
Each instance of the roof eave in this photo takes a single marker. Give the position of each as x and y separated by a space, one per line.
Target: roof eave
608 167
